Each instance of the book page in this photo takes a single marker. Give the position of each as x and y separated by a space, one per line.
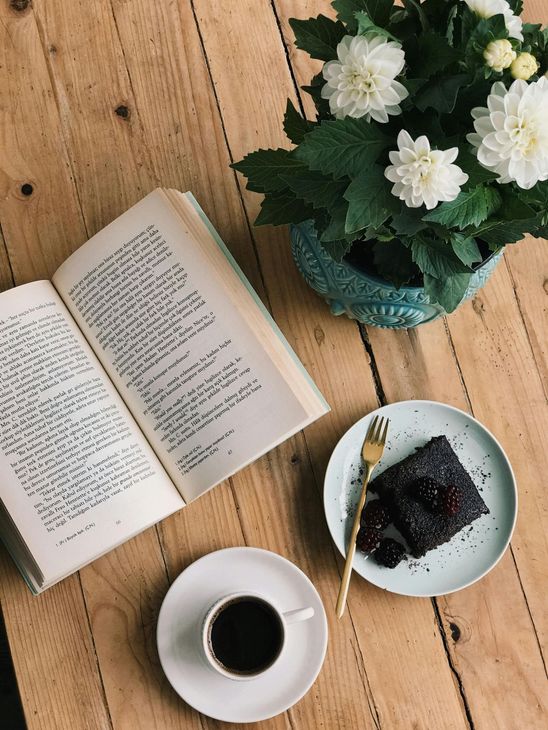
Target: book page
78 477
181 352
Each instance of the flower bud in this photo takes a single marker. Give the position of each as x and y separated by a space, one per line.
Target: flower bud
524 66
499 54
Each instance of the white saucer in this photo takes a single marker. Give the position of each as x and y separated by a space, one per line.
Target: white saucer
178 635
471 553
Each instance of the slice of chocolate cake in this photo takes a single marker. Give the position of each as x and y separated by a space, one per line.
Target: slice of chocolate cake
423 525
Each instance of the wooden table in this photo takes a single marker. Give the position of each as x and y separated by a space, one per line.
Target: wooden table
100 102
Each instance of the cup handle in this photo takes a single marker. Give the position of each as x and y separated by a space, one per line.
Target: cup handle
299 614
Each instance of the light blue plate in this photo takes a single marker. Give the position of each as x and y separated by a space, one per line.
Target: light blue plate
471 553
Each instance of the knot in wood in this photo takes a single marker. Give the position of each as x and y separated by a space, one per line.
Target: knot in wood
20 5
122 111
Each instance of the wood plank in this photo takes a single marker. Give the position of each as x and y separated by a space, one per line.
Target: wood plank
515 410
99 123
6 275
123 589
53 653
51 644
37 238
528 269
328 346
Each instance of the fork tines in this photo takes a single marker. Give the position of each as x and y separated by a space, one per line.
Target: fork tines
378 428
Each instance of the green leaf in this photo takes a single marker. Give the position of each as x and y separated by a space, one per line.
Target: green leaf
319 36
513 208
370 200
470 207
412 86
337 249
403 24
413 7
540 232
516 6
436 257
477 174
315 91
282 207
433 54
394 262
538 194
317 189
466 248
335 229
378 10
366 25
499 233
381 233
263 169
448 292
342 147
295 126
441 94
408 221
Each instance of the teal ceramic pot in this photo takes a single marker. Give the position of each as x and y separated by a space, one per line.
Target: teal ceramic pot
366 298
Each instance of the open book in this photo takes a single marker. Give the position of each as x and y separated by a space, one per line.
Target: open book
143 374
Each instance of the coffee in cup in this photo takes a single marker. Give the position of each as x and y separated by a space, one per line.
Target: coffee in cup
243 634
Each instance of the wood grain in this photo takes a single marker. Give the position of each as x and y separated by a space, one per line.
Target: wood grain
38 239
6 275
99 103
53 653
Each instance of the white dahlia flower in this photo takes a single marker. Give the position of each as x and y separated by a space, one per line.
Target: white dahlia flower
361 83
499 54
511 136
488 8
422 175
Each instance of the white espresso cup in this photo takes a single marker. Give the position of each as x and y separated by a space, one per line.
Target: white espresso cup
280 621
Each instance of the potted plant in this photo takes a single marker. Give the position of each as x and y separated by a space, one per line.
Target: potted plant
428 154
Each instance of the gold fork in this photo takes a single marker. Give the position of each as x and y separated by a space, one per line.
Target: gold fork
372 449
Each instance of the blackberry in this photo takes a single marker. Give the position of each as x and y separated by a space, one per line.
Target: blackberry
450 501
376 514
389 553
427 491
368 539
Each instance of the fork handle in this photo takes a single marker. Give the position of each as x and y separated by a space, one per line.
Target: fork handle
345 581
